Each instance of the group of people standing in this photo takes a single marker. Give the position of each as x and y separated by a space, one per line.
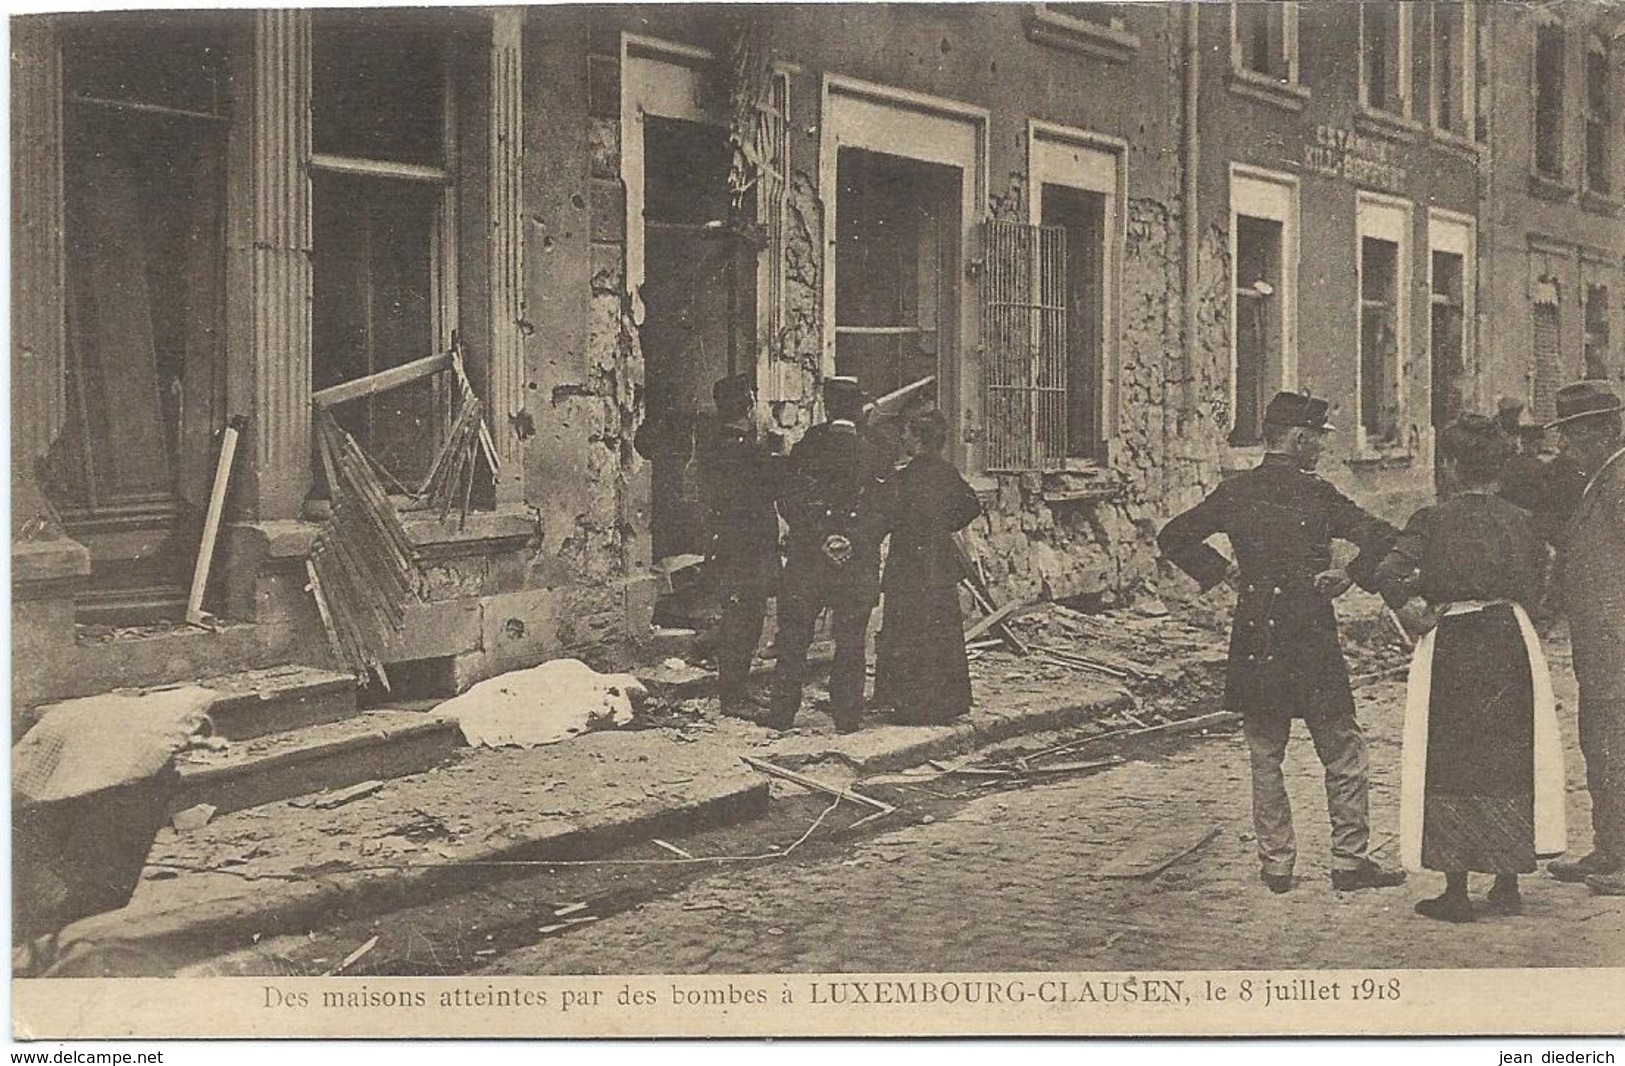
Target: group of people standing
841 493
1481 774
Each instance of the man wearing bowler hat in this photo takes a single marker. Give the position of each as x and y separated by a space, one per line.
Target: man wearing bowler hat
1593 587
1285 661
833 556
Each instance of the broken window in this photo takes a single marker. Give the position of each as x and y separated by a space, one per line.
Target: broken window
1379 340
1258 324
145 120
1024 327
1596 332
1384 56
1599 116
1081 216
1447 337
1266 38
1454 67
898 225
1549 100
383 242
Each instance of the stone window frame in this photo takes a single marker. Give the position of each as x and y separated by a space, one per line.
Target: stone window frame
1553 181
1605 119
1094 155
1049 26
1387 218
855 113
1289 93
1454 233
1274 196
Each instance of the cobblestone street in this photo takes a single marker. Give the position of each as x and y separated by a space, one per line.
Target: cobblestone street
1008 882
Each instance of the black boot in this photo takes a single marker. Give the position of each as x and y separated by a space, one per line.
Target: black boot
1504 897
1453 906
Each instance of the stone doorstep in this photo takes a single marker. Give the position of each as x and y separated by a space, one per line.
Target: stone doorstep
255 703
371 745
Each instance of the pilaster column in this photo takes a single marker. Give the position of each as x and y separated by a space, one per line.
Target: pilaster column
278 259
38 288
507 376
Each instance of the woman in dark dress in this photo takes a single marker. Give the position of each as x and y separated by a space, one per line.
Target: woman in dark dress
1481 781
923 505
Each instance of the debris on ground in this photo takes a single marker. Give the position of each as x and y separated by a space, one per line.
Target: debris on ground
1152 855
346 795
192 818
545 704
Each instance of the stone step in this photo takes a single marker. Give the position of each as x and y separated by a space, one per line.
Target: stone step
370 745
278 699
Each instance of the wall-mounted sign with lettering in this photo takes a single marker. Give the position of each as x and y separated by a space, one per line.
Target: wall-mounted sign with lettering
1354 157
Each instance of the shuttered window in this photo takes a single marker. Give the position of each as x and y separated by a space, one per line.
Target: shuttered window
1548 360
1024 340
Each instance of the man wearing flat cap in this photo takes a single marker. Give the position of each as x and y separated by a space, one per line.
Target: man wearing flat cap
833 557
740 484
1285 661
1593 587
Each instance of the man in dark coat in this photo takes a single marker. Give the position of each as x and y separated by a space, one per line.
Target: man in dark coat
1593 586
833 556
1546 485
1285 660
740 485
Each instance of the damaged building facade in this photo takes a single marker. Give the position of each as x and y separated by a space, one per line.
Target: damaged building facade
1108 232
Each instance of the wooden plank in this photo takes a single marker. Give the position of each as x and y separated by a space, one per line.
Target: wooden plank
382 381
378 168
1152 855
815 785
211 521
995 619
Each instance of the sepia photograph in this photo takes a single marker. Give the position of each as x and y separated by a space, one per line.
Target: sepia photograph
818 519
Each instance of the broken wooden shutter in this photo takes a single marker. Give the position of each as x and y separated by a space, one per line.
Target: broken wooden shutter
1548 355
1024 346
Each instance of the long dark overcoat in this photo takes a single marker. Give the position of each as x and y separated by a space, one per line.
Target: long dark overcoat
1284 658
827 490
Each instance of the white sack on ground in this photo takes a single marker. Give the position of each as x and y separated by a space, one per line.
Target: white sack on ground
80 746
543 705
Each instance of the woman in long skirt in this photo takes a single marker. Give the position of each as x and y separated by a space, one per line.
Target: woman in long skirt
1481 781
923 505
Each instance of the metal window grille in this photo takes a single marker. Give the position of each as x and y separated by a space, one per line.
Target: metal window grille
1548 360
1024 346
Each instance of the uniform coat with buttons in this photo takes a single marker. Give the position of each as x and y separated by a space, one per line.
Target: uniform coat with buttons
1285 659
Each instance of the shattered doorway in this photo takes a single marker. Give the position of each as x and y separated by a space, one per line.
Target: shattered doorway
145 130
699 297
895 302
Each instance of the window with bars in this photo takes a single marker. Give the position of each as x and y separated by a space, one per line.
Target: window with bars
383 225
1546 334
1024 341
1549 100
1599 119
1596 332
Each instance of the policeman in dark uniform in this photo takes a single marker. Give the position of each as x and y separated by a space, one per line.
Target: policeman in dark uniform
1285 661
833 557
740 485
